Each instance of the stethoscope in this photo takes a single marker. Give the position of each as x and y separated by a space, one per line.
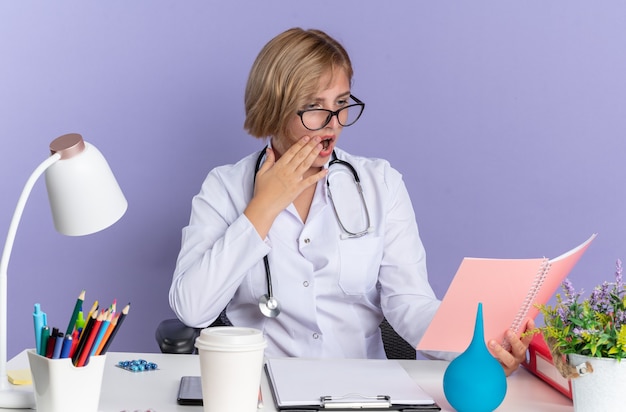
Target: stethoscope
268 304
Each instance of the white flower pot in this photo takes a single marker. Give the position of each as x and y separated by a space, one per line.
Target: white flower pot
601 390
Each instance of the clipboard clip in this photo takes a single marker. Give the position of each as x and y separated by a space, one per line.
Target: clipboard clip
350 401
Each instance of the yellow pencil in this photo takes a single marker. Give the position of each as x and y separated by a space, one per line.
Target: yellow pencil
94 308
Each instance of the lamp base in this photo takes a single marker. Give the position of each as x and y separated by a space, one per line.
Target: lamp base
16 399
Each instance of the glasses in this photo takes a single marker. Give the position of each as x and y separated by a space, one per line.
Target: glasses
316 119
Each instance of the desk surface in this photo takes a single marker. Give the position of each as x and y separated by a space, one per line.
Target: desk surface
156 391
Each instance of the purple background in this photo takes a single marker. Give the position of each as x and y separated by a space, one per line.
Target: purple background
506 118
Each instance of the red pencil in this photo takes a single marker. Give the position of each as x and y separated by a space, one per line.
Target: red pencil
82 357
75 340
84 336
80 342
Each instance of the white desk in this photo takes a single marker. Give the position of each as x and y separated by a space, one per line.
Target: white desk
156 391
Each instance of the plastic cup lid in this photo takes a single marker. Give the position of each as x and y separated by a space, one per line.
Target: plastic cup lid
230 338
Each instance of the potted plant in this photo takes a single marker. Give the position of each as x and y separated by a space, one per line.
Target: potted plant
587 339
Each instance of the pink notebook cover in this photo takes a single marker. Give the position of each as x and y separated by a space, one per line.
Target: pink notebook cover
508 290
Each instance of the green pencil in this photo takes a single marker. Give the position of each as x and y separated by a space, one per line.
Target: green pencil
77 308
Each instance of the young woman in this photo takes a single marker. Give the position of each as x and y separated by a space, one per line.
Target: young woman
308 243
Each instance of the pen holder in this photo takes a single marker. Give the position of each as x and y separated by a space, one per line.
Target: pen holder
61 387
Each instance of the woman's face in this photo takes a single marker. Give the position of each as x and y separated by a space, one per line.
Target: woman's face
333 93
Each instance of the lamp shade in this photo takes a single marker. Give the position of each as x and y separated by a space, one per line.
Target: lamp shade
83 193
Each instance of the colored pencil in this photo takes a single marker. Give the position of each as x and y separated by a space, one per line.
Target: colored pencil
83 357
75 340
85 336
101 332
82 339
120 320
107 334
77 308
94 308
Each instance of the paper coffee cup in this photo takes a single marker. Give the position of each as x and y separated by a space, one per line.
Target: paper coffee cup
231 363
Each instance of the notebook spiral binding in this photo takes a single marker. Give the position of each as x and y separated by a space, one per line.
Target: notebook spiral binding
532 293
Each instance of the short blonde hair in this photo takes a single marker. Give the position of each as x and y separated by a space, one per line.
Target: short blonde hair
285 74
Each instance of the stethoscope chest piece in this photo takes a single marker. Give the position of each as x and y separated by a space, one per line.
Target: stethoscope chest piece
269 306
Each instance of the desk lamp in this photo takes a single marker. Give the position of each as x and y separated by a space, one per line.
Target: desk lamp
84 198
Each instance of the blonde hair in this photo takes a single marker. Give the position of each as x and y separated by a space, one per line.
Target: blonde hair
285 74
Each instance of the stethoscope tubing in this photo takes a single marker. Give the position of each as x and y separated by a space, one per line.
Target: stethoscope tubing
268 304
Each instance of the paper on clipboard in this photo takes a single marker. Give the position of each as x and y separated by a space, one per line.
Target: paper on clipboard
306 382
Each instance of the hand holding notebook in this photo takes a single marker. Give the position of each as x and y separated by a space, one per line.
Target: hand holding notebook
509 289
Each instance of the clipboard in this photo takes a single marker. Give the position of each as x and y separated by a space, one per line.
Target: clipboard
311 384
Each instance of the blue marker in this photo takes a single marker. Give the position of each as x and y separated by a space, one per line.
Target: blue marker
58 344
67 346
40 319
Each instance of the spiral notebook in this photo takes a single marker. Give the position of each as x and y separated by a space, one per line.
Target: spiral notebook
508 290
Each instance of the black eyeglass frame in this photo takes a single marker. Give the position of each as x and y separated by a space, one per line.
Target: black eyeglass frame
335 113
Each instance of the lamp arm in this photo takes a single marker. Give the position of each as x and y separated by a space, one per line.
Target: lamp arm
19 209
12 398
